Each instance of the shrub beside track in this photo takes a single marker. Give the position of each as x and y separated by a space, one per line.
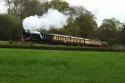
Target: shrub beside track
65 48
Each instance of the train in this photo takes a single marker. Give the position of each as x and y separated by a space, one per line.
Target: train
58 39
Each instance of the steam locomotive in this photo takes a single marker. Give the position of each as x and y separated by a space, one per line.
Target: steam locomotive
41 37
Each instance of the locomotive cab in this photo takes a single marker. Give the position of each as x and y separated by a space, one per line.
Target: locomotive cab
36 36
104 44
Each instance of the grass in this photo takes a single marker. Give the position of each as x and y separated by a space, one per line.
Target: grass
4 42
47 66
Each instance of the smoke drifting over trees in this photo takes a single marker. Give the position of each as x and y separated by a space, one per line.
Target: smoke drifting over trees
52 19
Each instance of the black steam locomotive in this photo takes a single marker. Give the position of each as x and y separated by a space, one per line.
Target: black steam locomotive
41 37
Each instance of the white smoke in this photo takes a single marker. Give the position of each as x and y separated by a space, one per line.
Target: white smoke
53 18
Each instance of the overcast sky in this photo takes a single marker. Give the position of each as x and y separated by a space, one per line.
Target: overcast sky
2 7
101 8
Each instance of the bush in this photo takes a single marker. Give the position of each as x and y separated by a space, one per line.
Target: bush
65 48
10 28
10 41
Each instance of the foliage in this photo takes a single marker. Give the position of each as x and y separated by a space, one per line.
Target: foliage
10 28
59 47
82 23
108 30
121 36
24 8
60 5
57 31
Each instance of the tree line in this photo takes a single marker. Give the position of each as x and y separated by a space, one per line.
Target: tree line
81 23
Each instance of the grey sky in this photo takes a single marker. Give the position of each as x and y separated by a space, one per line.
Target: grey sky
2 7
103 8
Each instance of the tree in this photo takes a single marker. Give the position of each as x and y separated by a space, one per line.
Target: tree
55 31
24 8
121 35
108 30
72 29
81 23
16 7
33 7
87 25
60 5
10 28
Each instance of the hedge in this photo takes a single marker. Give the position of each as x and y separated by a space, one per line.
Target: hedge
65 48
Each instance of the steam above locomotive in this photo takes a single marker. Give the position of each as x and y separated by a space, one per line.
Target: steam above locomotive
46 21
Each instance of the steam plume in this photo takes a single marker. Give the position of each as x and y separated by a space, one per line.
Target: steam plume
53 18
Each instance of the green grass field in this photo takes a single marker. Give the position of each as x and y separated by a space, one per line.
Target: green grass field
46 66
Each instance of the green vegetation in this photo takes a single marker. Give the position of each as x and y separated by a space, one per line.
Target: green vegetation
10 28
41 66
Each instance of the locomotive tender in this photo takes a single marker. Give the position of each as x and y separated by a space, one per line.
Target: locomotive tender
41 37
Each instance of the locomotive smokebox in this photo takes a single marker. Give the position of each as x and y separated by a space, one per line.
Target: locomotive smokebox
26 36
